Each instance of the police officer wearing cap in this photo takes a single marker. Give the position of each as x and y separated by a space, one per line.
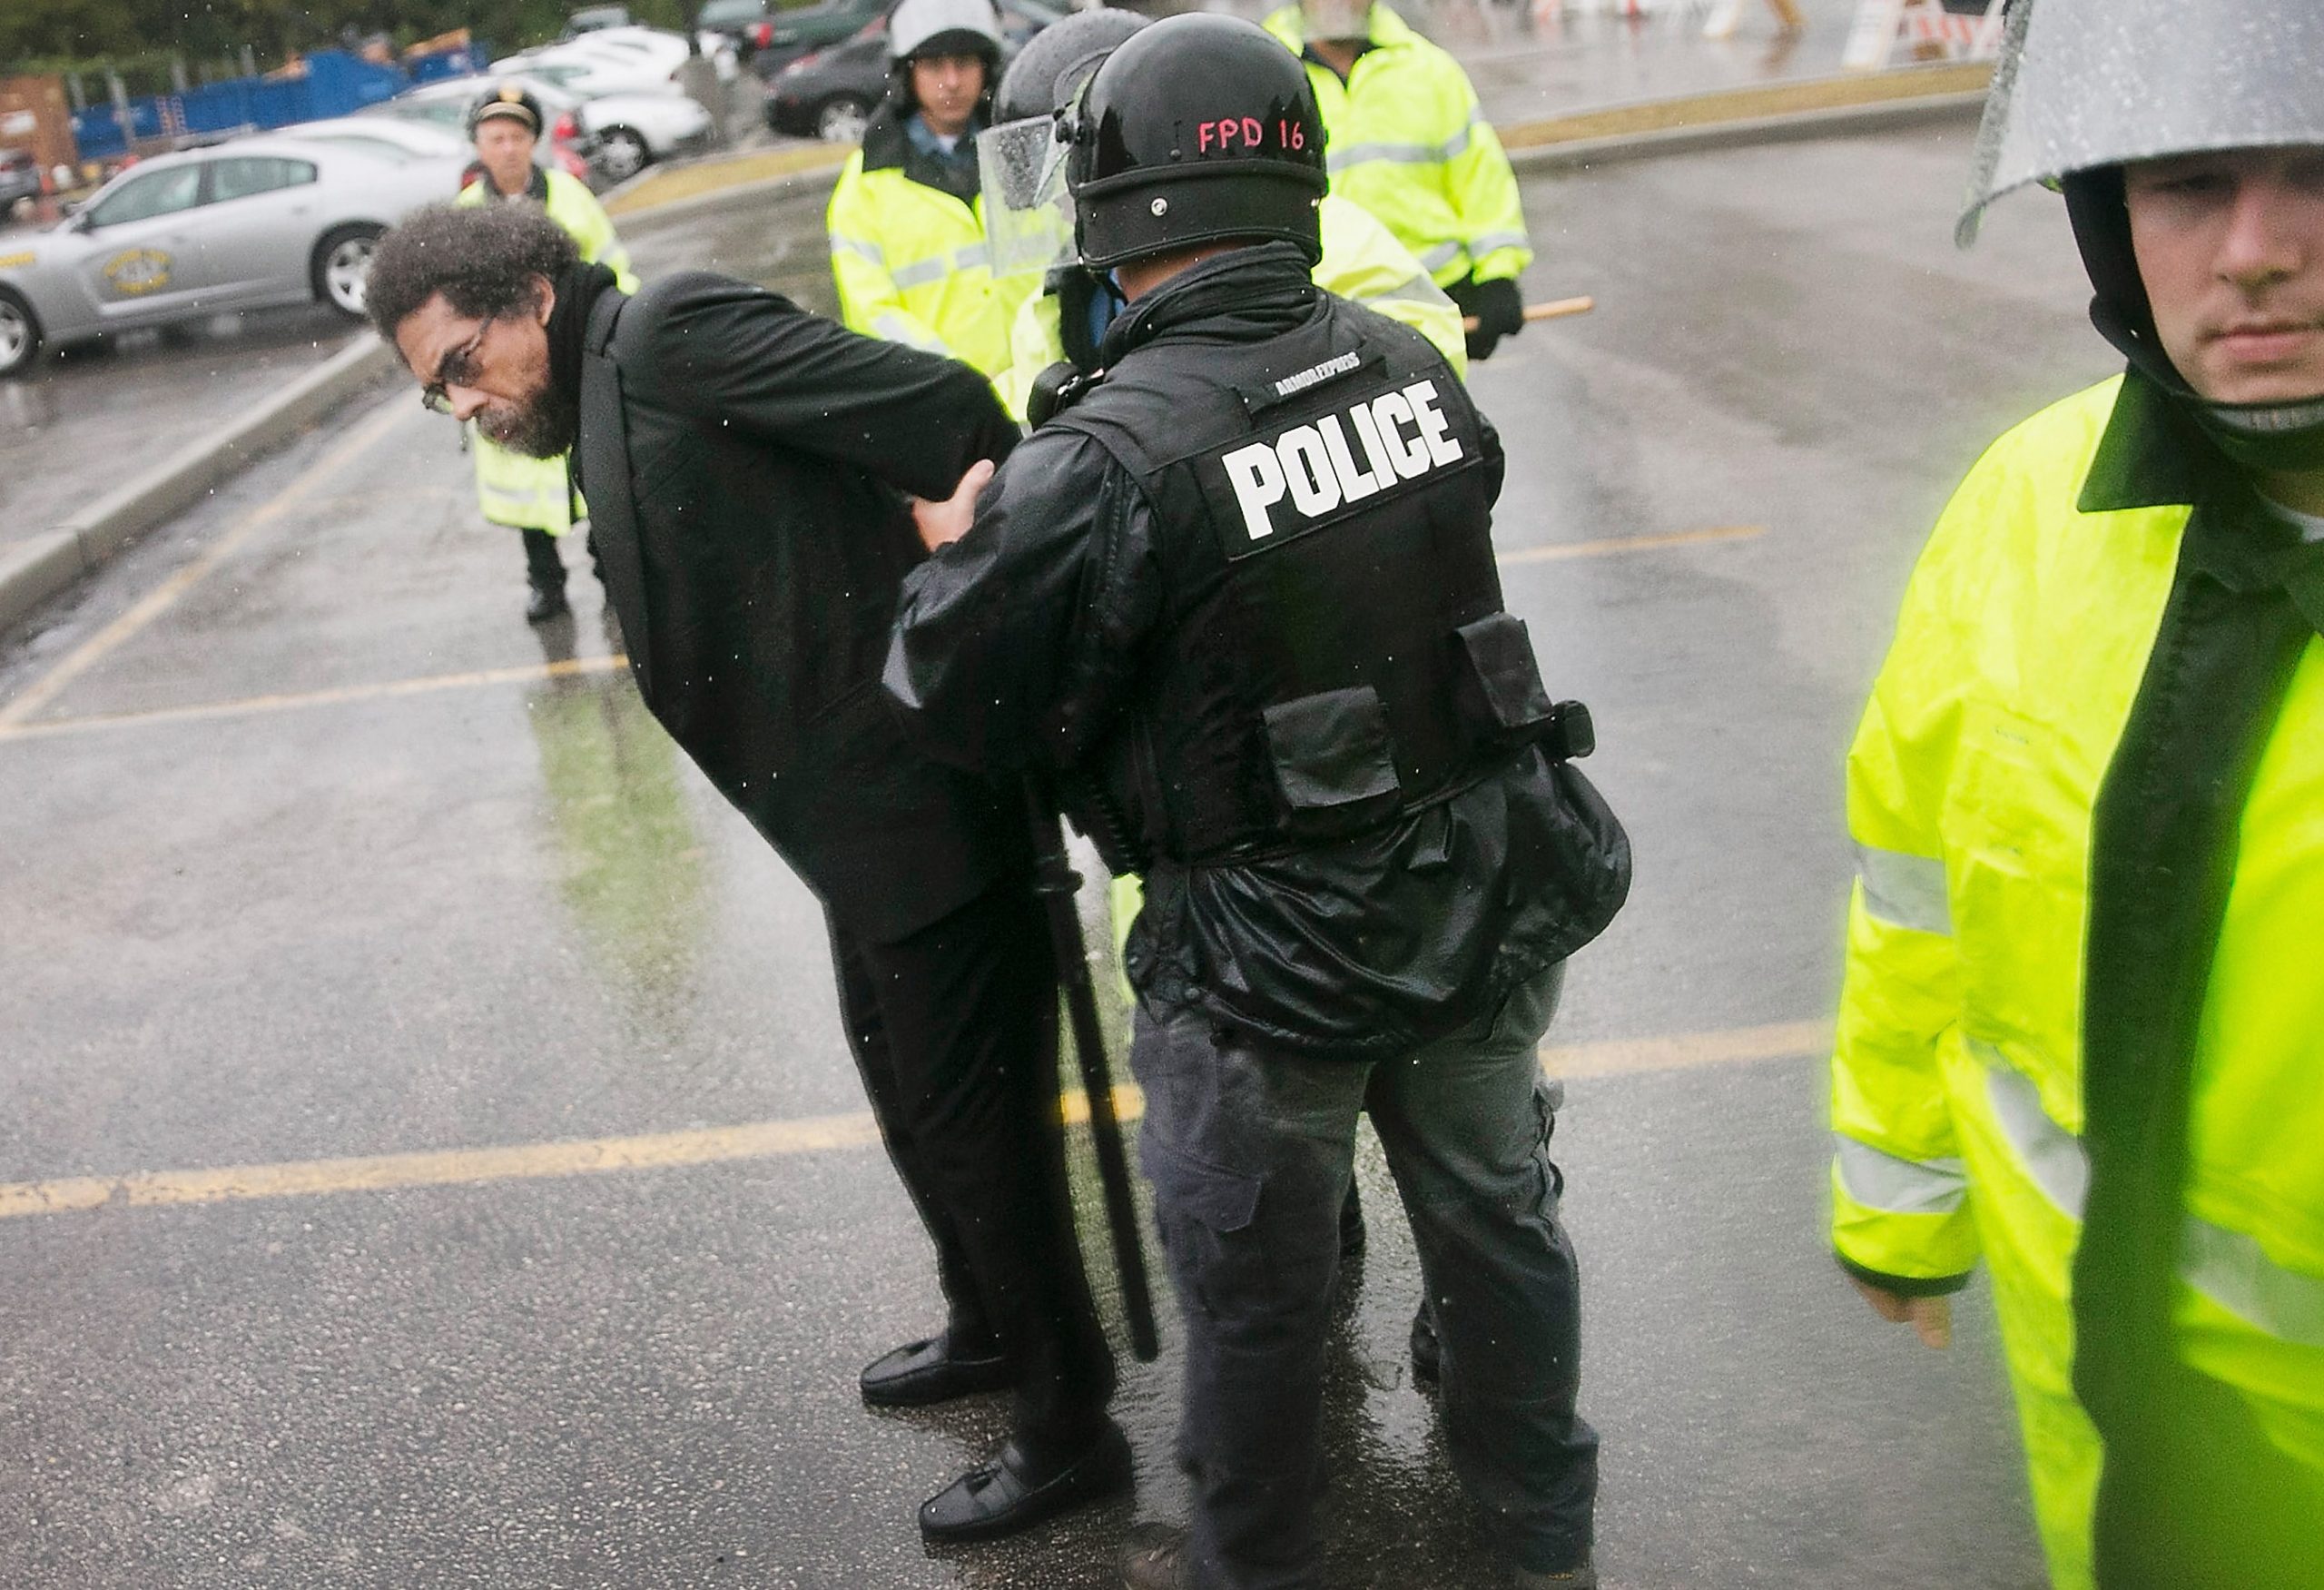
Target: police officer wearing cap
906 218
1238 595
533 496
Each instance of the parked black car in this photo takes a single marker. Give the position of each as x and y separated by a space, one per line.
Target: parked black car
787 35
747 23
829 94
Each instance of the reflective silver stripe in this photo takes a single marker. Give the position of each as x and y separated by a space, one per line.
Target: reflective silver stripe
872 251
1495 241
1900 1187
1420 289
1452 148
923 272
896 329
1442 255
2051 1156
2235 1272
1905 891
2229 1268
920 273
1339 160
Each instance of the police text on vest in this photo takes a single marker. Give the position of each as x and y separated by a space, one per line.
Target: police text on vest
1314 465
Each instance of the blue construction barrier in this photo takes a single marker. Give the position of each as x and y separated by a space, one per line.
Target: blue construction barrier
335 83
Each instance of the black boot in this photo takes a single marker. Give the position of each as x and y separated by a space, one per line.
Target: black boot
545 571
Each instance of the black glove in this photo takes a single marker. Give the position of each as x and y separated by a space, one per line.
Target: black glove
1496 306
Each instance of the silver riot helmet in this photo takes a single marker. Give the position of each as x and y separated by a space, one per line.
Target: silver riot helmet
2085 87
944 27
1029 214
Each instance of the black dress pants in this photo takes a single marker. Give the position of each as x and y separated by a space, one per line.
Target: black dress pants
955 1032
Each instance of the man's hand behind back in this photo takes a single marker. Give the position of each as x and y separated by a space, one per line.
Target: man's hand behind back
942 523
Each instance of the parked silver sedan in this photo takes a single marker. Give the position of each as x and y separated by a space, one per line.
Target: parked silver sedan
247 224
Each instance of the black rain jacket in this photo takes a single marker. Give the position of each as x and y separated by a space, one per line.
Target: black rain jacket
746 465
1022 646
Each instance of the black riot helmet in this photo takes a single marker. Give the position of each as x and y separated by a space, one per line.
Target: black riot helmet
1198 129
1056 61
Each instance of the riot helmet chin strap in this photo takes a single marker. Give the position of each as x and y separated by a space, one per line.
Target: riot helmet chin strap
2267 439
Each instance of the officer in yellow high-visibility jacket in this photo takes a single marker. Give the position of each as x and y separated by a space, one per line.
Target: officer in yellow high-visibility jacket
2082 1033
534 496
1409 143
906 220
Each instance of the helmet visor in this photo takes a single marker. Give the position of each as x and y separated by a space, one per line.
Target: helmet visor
2087 84
1028 213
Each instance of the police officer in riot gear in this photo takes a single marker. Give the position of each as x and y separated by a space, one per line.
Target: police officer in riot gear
1239 593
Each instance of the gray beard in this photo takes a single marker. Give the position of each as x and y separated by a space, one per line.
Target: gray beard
546 428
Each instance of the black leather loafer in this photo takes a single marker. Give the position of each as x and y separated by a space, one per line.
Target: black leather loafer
1018 1491
921 1372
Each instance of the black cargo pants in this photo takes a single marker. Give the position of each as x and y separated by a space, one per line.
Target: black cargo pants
1250 1151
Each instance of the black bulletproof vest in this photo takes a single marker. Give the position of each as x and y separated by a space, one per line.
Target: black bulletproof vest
1333 648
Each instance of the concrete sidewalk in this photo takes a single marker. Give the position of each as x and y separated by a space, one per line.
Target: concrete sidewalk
1527 69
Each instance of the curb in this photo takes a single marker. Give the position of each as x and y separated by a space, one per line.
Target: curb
1785 127
35 569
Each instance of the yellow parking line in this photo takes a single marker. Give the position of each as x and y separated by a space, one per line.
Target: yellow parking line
1633 544
159 601
754 1139
524 674
452 1167
1686 1051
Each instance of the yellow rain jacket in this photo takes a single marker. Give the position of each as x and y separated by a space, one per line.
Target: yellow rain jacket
909 256
537 494
1958 1086
1408 142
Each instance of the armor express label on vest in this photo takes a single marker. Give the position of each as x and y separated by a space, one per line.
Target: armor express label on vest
1309 474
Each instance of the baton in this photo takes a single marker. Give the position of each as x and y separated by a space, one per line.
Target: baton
1557 309
1057 883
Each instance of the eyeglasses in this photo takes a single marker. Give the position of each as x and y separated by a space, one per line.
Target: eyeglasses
456 369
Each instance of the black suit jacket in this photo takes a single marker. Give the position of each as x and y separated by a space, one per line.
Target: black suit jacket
745 463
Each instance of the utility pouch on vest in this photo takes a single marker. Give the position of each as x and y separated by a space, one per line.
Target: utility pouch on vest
1501 693
1333 768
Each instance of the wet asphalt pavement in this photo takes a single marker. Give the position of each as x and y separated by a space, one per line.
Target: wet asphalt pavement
316 856
90 416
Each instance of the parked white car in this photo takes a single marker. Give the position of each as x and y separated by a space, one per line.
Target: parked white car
247 225
616 60
622 134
